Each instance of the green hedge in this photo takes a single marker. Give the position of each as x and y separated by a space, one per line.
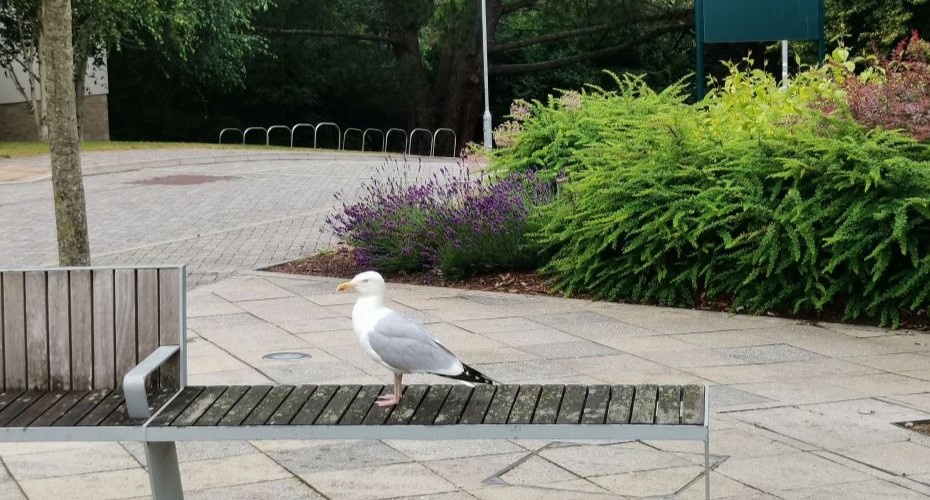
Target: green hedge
776 200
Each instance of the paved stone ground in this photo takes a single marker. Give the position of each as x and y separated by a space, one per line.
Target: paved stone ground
800 411
256 208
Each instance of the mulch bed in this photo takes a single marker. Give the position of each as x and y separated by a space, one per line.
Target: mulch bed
341 264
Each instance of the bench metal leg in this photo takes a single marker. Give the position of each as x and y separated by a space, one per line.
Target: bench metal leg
164 473
707 467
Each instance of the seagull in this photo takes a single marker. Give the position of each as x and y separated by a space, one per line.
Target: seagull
399 343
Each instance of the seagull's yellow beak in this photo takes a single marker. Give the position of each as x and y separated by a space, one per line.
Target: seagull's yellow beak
345 287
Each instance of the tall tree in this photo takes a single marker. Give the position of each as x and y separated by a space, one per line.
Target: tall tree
58 90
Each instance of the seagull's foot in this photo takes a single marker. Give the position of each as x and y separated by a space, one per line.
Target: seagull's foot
388 400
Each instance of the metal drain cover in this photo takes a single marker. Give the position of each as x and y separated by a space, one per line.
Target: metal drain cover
286 356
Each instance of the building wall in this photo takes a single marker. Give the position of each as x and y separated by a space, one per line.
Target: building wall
18 124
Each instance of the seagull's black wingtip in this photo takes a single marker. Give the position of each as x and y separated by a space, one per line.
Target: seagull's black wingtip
469 374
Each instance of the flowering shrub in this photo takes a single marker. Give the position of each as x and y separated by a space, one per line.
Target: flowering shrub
902 100
451 221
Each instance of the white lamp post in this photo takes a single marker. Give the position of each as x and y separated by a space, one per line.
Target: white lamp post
487 102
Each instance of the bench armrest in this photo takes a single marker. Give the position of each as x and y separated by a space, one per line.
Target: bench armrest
137 401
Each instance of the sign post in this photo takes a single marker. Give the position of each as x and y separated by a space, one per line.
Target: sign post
730 21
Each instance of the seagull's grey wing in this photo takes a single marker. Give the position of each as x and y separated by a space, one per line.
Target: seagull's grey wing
409 348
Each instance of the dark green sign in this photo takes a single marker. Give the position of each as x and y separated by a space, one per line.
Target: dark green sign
761 20
730 21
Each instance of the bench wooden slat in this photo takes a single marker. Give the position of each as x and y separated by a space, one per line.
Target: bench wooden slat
432 403
378 414
269 404
14 330
169 320
692 405
120 417
82 354
245 405
37 372
572 404
290 406
8 397
595 406
452 408
314 406
147 314
550 398
81 409
668 405
103 410
199 406
104 321
3 386
499 409
59 409
478 404
222 405
525 405
621 404
48 400
23 402
338 405
59 331
362 403
644 404
124 304
177 406
409 403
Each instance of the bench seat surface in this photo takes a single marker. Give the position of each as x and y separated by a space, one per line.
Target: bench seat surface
101 408
434 405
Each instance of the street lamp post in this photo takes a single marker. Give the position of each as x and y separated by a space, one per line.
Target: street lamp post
487 102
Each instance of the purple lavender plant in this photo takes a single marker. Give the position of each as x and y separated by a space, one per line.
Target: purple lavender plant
451 221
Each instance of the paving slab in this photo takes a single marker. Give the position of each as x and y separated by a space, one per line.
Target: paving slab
805 470
281 489
386 481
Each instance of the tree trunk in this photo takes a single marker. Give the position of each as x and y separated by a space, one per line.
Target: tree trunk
404 29
459 86
58 86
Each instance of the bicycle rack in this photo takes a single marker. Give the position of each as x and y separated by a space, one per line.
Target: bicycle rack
345 135
295 127
268 132
229 130
387 137
413 134
432 149
263 129
365 134
328 124
342 137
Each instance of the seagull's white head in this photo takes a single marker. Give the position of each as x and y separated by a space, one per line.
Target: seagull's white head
366 284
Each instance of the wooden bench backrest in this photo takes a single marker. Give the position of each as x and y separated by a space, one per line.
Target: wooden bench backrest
84 328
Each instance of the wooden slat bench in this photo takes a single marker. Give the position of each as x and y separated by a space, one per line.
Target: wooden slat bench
128 325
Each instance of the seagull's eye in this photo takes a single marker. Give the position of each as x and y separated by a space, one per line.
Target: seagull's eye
364 281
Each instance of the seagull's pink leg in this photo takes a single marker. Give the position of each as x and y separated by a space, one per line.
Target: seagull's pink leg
392 399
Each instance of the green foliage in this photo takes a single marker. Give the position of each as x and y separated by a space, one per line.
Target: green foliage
757 196
550 133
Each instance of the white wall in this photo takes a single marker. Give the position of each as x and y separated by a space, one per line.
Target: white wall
96 83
